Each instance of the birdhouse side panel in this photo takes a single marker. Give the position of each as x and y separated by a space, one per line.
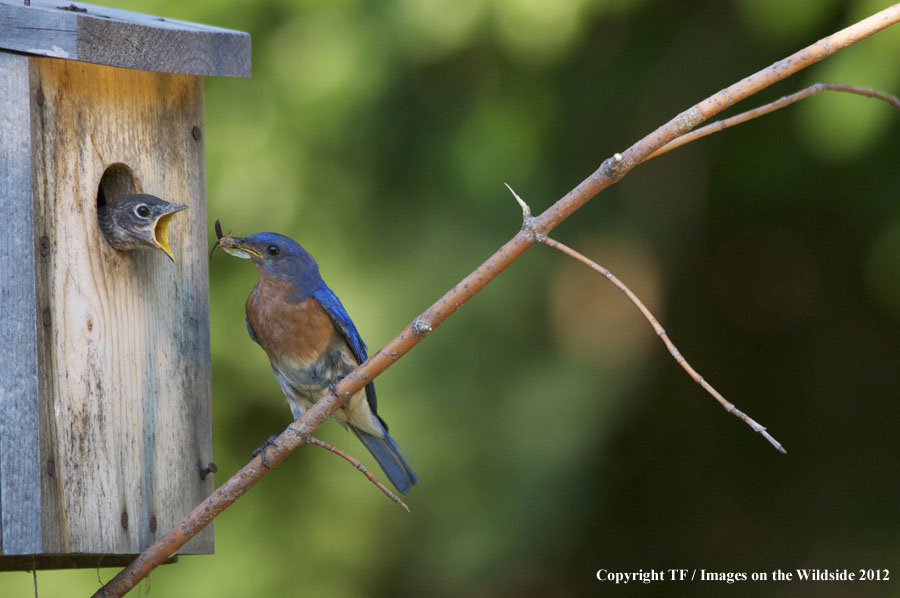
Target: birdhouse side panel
125 364
20 522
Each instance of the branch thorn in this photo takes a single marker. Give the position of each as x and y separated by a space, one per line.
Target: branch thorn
526 211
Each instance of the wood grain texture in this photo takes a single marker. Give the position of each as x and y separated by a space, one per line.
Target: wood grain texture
124 380
20 490
114 37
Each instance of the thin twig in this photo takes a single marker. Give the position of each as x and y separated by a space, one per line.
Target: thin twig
661 332
355 463
721 125
610 172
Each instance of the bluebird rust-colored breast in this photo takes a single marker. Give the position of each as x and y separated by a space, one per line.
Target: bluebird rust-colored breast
298 330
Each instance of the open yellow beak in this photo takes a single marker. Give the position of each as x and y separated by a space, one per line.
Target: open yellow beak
161 231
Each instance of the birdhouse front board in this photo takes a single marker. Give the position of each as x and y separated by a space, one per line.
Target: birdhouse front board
105 406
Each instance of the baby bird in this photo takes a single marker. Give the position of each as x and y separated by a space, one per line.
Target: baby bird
138 220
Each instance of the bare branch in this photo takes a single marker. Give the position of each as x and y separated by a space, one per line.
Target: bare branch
610 172
743 117
355 463
660 331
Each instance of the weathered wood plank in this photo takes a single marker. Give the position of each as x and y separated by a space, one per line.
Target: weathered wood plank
114 37
20 490
125 362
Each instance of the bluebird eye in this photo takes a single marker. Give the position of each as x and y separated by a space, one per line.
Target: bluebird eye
142 211
273 249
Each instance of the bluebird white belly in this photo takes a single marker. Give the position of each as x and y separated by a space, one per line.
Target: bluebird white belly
304 383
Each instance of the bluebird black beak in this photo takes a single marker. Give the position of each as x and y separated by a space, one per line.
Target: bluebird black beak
237 247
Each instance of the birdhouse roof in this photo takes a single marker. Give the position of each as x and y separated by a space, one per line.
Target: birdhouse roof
114 37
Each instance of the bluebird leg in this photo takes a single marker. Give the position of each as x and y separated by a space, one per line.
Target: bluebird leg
261 450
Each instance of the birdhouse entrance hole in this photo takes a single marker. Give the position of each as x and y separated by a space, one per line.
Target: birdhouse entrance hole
117 181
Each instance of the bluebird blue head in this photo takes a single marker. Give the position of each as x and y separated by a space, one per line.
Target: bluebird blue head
277 256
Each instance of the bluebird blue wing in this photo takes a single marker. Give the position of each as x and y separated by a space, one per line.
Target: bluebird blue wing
344 324
341 319
384 450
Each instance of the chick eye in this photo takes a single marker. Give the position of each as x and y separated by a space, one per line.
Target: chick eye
273 249
142 211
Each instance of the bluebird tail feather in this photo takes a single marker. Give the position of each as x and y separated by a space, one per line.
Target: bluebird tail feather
389 458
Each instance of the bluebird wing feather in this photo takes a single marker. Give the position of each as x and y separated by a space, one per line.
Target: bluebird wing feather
385 450
342 321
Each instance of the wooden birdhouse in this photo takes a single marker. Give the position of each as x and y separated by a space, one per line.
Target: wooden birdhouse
105 407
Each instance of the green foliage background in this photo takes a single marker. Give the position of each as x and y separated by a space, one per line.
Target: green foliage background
553 433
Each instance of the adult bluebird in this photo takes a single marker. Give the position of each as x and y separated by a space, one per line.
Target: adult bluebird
311 341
